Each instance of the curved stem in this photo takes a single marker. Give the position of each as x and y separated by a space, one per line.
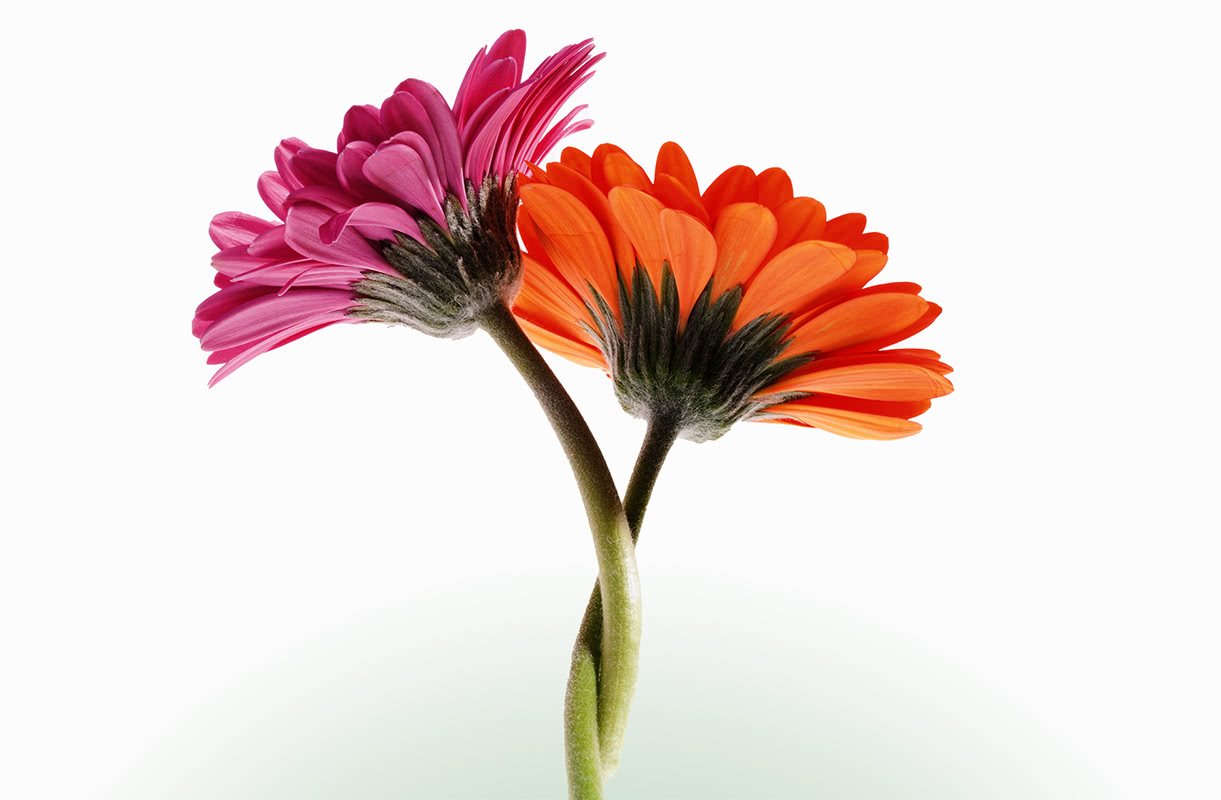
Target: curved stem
586 657
593 724
658 440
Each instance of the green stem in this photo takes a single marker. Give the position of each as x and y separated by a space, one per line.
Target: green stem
658 440
586 658
592 724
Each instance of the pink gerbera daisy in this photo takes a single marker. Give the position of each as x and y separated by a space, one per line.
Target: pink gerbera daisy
410 220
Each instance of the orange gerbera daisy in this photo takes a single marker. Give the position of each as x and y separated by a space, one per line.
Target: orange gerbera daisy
740 302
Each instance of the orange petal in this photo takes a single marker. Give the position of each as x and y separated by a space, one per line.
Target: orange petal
532 173
902 287
775 188
929 359
579 353
829 298
692 254
844 227
872 241
920 324
620 170
576 159
552 315
800 219
598 165
744 234
639 214
858 320
853 424
584 190
672 161
789 281
572 238
734 185
529 236
882 408
868 264
670 191
549 300
881 381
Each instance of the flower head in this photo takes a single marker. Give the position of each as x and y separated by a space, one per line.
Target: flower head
410 220
740 302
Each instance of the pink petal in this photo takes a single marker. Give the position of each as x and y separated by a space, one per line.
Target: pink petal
557 134
379 215
269 313
223 301
351 176
283 156
550 89
278 339
348 250
472 72
476 120
536 128
495 76
323 275
271 244
273 190
233 229
304 272
400 170
234 261
335 199
510 44
314 166
361 124
510 128
417 143
449 151
480 152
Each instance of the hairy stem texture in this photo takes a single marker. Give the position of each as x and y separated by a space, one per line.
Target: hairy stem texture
603 676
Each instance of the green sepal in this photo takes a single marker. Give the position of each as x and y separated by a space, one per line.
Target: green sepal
703 378
446 282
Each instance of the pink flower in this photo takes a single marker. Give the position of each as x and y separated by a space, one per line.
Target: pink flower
410 220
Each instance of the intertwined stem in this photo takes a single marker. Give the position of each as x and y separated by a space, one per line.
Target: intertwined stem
600 693
585 692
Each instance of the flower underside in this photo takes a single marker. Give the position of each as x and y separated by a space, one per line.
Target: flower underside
409 220
443 284
700 377
742 301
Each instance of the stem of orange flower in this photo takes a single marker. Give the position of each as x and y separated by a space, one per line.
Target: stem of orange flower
603 677
658 440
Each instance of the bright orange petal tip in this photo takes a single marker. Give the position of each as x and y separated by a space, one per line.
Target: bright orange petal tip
740 301
673 161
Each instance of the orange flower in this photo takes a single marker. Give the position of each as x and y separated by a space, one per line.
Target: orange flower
741 302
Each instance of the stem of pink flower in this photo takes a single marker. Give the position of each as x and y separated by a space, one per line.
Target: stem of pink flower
603 676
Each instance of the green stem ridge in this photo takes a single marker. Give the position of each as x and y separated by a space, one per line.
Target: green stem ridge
586 656
604 670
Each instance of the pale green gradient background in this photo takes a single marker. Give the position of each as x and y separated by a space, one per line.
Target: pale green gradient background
397 708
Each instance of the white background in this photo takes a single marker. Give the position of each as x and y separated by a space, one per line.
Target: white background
354 569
